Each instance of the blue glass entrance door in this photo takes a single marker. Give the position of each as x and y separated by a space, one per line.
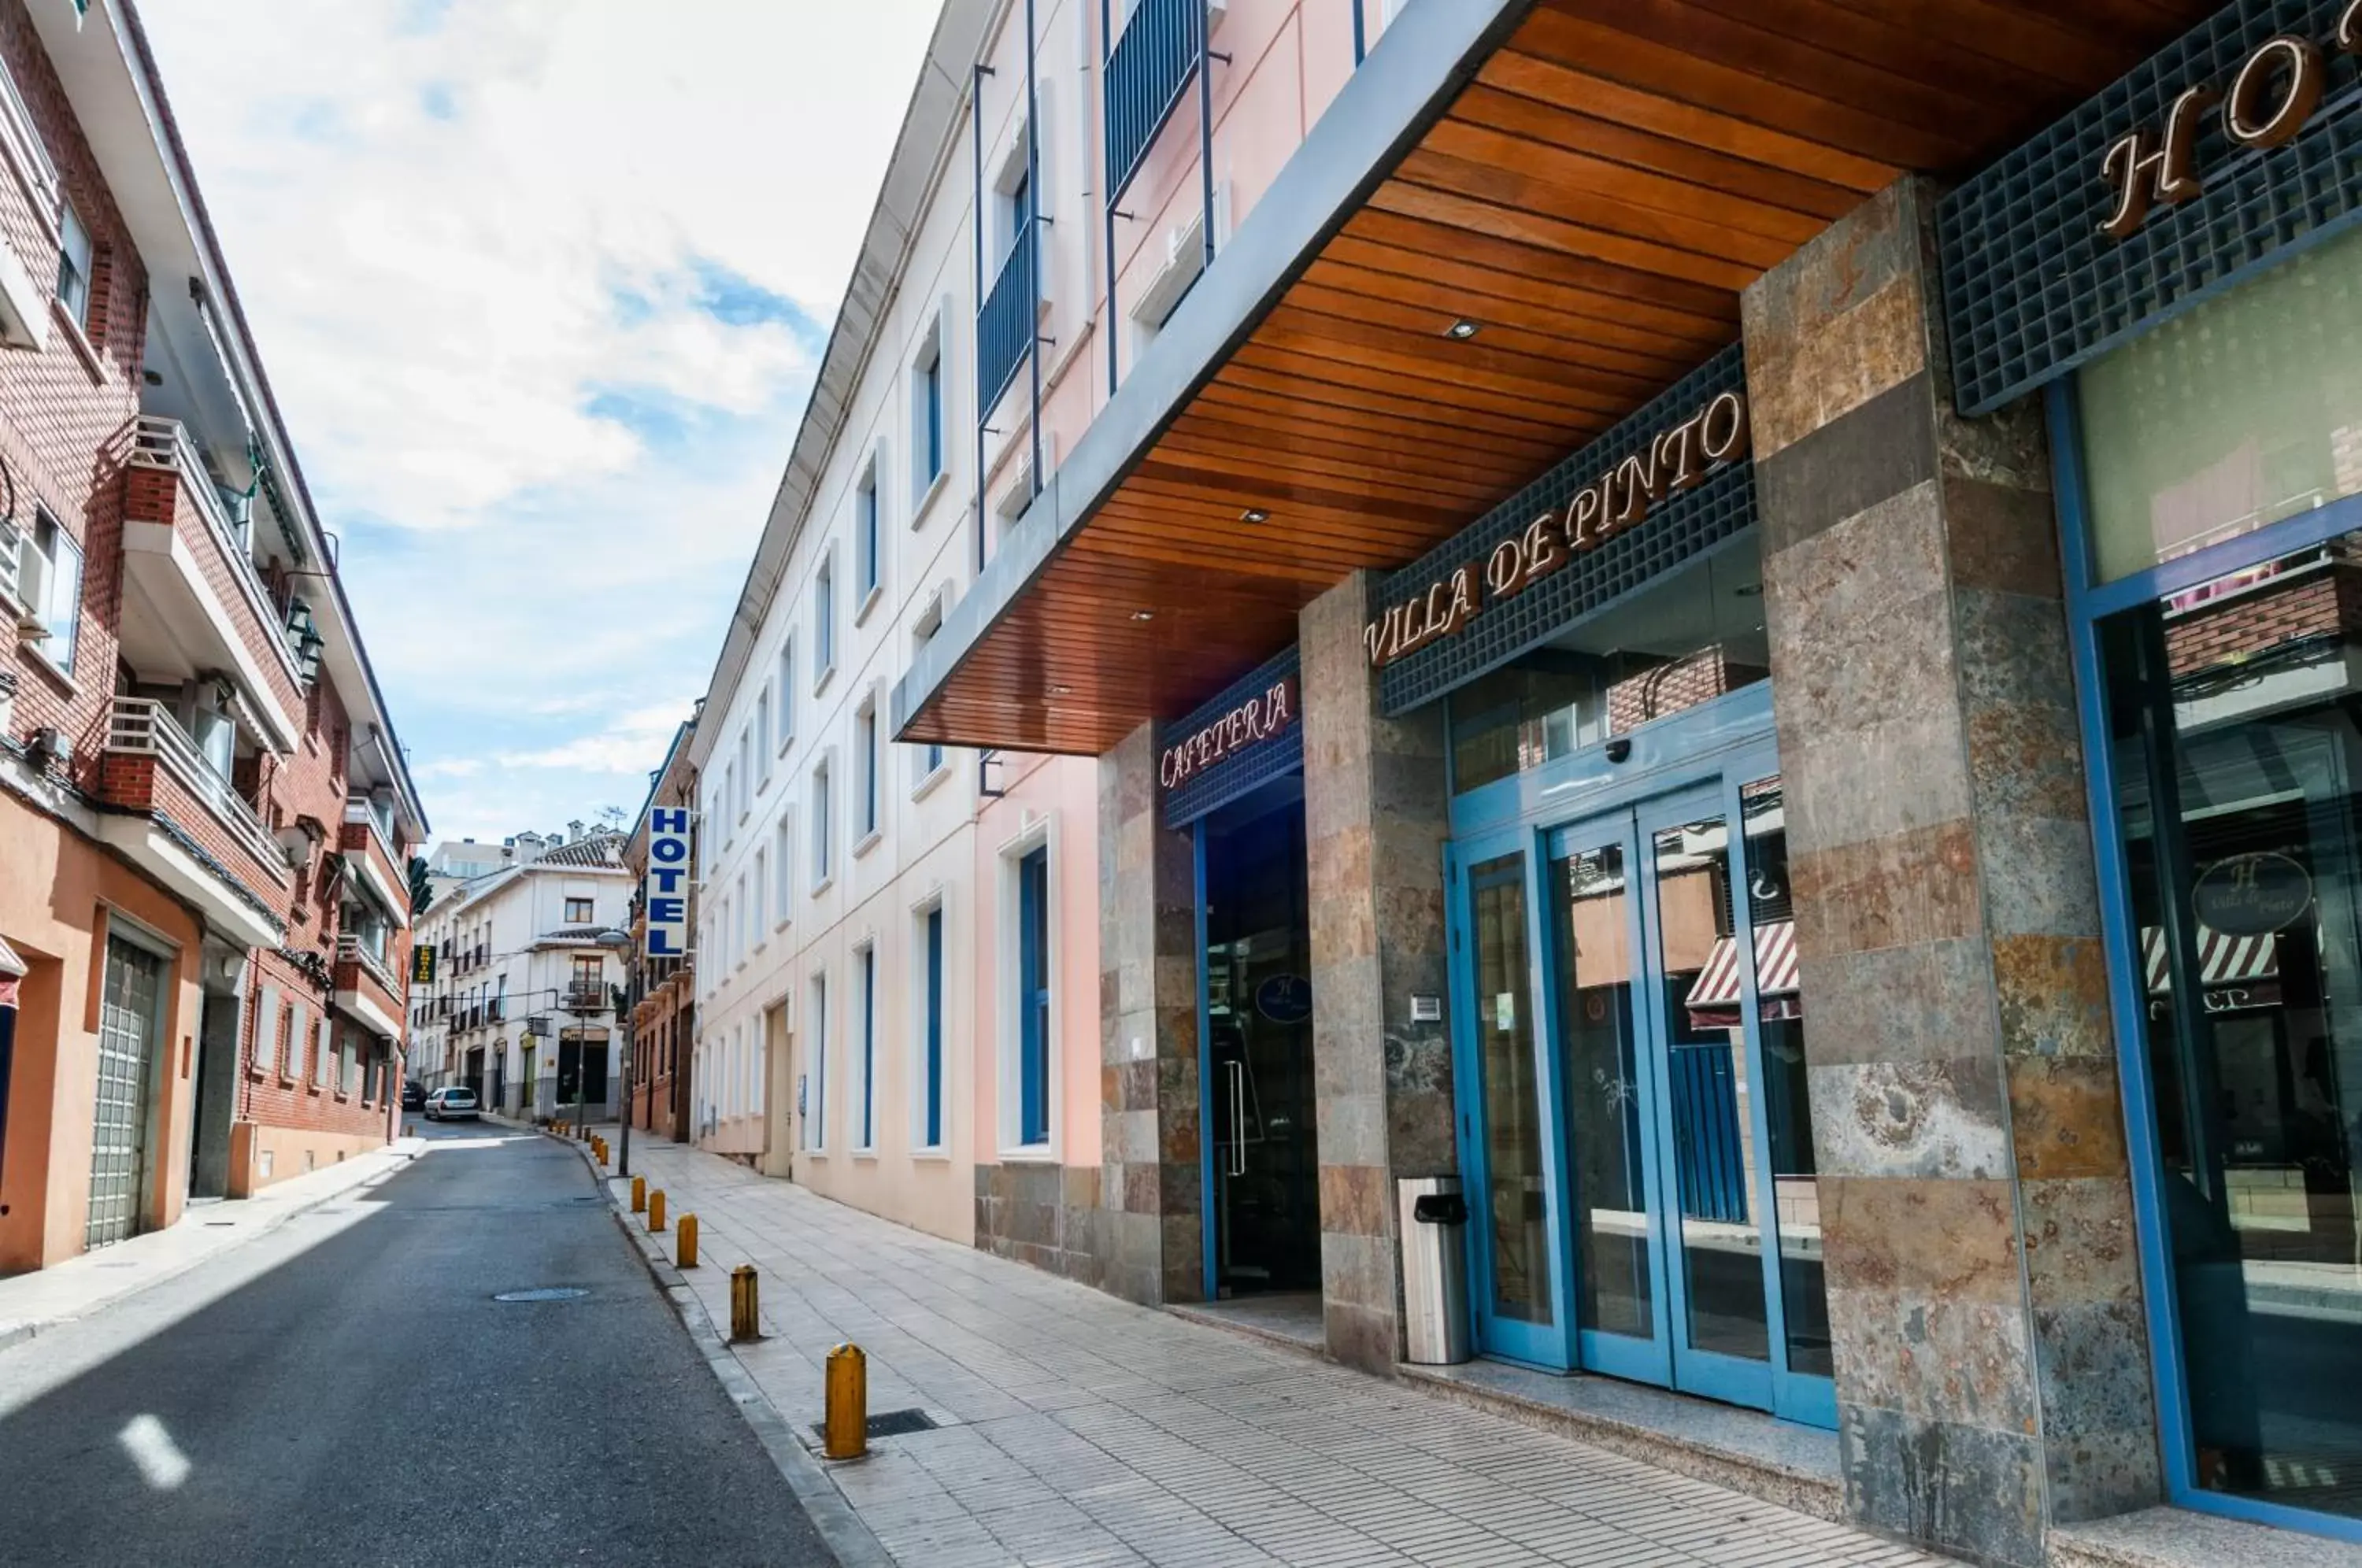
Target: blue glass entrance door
1513 1176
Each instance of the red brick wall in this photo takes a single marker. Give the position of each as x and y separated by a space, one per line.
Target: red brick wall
61 422
2321 604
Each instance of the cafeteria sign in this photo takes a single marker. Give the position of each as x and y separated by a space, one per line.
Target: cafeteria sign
2252 895
1614 502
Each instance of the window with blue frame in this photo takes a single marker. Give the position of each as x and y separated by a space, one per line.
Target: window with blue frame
865 727
816 1111
931 1044
865 503
824 621
869 1047
1033 998
1017 209
2211 474
927 414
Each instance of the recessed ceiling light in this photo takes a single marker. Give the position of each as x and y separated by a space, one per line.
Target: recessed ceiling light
1461 330
1143 614
1062 692
1748 590
1254 514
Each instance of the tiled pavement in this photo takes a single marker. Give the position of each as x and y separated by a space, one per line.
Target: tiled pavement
1080 1430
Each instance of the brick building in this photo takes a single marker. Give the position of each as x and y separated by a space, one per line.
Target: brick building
203 816
661 992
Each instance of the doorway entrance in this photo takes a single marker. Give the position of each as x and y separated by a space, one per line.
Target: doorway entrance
119 1131
1640 1150
1255 1007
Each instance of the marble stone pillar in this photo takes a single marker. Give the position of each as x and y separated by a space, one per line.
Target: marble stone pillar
1992 1364
1375 819
1151 1184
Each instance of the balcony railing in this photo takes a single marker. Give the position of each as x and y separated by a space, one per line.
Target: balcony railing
161 443
1006 326
589 997
351 949
1145 73
143 727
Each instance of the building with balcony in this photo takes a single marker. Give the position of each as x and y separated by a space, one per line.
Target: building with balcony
661 992
523 1005
1726 626
203 813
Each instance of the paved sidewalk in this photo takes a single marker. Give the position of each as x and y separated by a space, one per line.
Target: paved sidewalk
1080 1430
81 1286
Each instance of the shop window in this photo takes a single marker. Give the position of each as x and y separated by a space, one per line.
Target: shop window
2231 416
1689 638
2232 735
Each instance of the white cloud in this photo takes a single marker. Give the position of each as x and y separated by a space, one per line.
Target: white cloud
540 285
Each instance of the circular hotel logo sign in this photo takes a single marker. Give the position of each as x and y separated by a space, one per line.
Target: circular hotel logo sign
2252 895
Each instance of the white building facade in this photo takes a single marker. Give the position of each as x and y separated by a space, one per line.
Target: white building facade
522 1007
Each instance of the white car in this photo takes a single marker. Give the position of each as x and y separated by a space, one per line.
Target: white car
451 1104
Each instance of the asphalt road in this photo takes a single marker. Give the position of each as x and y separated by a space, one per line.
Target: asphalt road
347 1390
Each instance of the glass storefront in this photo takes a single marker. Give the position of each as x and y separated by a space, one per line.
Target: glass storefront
1635 1050
2219 582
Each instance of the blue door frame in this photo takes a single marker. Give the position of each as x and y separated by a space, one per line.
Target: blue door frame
1679 770
2088 602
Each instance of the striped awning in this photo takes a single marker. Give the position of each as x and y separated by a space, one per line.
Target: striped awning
2221 960
1714 995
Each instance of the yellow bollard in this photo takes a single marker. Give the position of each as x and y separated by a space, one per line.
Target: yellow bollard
656 1210
844 1428
688 1240
639 1195
746 1304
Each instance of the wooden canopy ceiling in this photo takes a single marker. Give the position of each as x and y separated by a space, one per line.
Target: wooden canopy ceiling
1595 199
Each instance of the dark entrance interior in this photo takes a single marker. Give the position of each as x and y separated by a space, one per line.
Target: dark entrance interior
581 1073
1258 999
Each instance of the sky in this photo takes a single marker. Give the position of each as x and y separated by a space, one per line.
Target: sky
540 286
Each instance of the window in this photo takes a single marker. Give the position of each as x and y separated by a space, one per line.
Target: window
816 1118
821 808
787 690
74 265
49 578
868 960
291 1035
931 1027
762 895
323 1047
346 1067
743 774
1033 998
1017 210
824 622
865 728
763 736
729 794
927 412
929 756
588 979
783 841
577 912
738 944
864 519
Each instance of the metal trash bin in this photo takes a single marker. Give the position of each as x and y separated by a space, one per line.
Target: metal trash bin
1432 1216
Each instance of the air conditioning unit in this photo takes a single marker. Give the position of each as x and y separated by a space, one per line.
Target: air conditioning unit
1184 259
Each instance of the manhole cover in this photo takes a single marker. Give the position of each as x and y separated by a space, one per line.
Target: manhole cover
547 1293
892 1423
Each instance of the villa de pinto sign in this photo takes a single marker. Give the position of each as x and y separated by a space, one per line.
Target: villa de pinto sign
2265 105
1616 502
1256 720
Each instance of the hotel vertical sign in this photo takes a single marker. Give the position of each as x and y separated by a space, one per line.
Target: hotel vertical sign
670 846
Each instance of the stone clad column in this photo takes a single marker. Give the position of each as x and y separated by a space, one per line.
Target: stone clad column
1991 1363
1375 818
1151 1186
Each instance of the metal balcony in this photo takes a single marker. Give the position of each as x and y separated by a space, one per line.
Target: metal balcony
1146 70
1005 326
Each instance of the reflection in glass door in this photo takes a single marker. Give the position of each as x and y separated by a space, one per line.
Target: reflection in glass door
1643 1143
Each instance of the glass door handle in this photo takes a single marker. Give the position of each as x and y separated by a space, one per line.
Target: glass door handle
1237 1071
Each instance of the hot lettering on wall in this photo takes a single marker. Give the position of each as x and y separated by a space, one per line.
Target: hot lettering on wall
2264 104
1615 501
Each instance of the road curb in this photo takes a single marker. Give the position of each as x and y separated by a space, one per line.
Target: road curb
830 1514
17 1333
